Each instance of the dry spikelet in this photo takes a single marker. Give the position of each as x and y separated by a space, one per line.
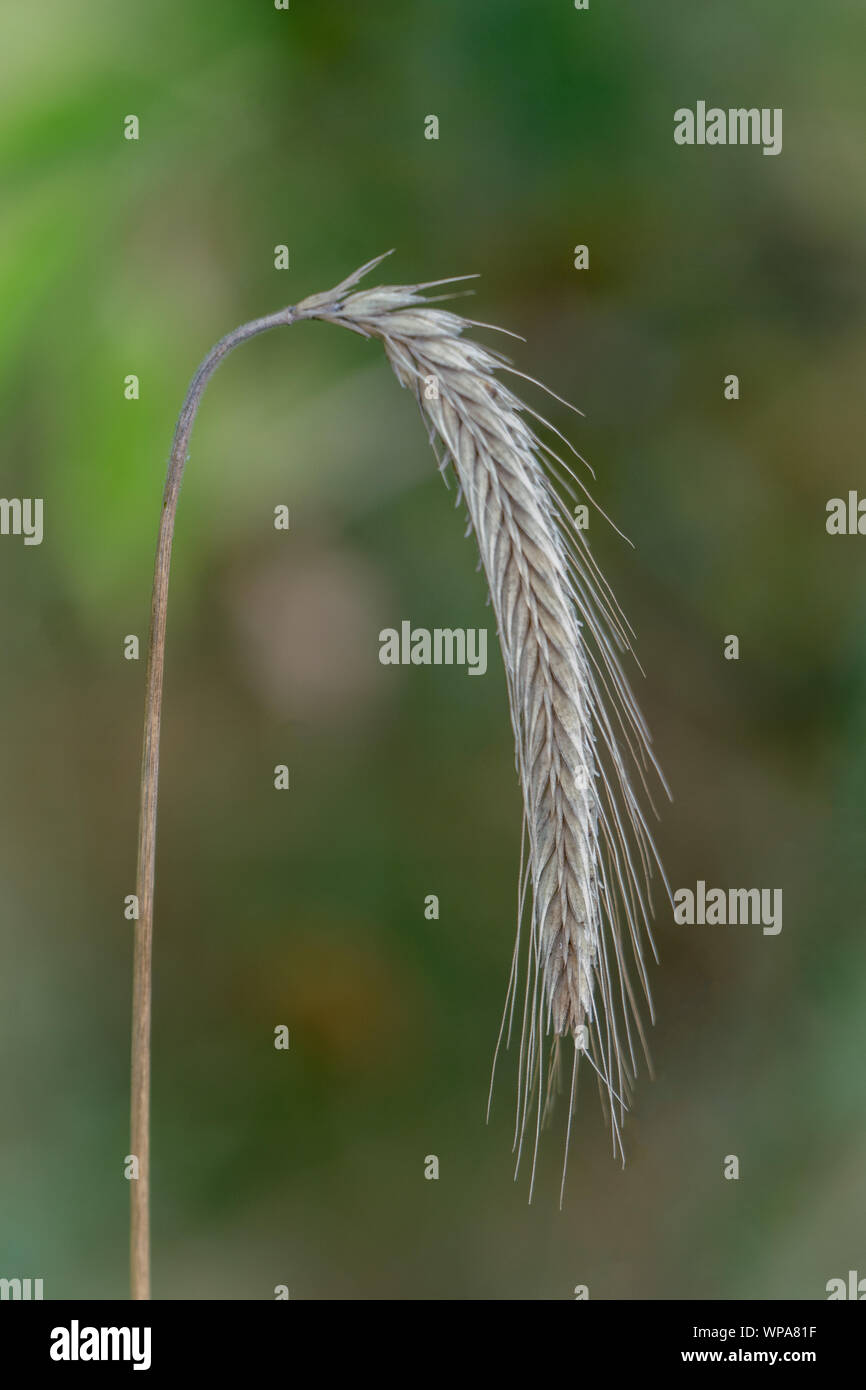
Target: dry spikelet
579 736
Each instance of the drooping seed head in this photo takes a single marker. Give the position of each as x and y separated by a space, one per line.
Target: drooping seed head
579 736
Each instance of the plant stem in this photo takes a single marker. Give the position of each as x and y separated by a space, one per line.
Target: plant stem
142 979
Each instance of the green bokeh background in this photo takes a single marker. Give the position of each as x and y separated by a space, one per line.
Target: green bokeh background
305 127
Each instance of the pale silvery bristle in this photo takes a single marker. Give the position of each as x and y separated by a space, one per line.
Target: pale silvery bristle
579 736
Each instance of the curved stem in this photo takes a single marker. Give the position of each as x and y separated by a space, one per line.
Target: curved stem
142 987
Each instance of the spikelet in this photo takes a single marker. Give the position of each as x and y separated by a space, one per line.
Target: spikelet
581 743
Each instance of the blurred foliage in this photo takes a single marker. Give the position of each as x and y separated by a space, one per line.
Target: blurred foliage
261 127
